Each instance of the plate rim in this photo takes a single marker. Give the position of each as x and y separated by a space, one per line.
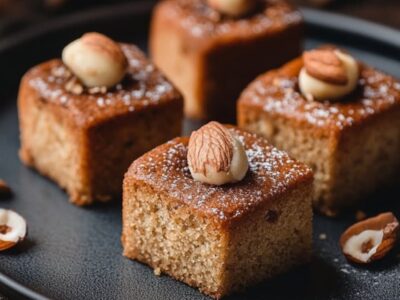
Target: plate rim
315 20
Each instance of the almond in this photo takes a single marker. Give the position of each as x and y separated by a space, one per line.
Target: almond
233 8
215 156
371 239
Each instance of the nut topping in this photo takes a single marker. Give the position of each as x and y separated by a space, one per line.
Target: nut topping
325 65
328 74
96 60
12 229
371 239
215 156
233 8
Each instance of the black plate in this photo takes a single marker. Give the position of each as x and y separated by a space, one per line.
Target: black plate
75 253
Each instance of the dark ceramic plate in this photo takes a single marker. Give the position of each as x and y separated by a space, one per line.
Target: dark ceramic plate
75 253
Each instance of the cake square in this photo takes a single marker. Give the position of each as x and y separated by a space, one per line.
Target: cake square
353 145
219 239
211 57
86 139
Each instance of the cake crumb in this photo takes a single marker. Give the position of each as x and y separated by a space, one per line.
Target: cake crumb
322 236
360 215
157 271
5 190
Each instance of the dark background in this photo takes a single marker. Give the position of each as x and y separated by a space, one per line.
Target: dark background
18 14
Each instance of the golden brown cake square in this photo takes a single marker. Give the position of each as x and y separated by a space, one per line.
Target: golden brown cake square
211 57
352 144
219 239
85 139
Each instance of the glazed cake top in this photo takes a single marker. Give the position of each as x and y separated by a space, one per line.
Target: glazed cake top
143 87
277 93
200 20
271 173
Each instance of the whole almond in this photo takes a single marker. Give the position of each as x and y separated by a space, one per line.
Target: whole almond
215 156
211 146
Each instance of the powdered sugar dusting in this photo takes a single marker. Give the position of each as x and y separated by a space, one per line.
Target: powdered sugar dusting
196 17
280 95
271 172
142 86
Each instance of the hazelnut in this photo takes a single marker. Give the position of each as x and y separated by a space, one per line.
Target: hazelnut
12 229
215 156
328 74
233 8
96 60
371 239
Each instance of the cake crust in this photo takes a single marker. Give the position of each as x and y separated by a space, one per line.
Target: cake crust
205 27
271 173
220 239
351 144
143 87
276 93
86 140
211 48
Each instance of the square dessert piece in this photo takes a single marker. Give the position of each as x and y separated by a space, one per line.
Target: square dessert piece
211 56
224 238
352 143
86 138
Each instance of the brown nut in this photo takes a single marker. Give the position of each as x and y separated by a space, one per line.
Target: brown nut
216 156
325 65
371 239
96 60
12 229
233 8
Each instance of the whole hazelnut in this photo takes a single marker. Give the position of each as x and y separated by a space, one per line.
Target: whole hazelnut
96 60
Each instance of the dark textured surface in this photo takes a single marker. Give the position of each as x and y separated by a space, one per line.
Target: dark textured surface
75 253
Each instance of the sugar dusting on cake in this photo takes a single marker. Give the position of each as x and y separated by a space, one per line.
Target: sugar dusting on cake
201 20
271 172
376 92
143 86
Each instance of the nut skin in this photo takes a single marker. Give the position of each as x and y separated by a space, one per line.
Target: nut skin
5 245
210 145
96 60
386 222
215 156
325 65
233 8
328 74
